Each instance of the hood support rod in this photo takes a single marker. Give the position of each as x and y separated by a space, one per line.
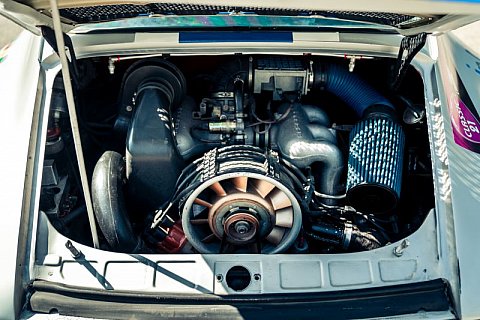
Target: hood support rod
73 119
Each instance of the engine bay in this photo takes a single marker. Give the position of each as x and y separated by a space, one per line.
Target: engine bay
240 154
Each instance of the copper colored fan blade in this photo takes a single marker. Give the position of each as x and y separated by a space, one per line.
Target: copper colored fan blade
279 199
218 189
263 187
276 235
199 221
209 238
201 202
284 217
240 183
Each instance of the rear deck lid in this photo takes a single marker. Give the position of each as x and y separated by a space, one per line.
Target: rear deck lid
404 16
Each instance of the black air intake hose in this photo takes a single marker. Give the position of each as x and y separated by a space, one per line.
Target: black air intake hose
153 162
109 203
157 72
349 87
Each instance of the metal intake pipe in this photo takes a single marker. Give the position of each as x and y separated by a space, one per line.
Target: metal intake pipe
303 143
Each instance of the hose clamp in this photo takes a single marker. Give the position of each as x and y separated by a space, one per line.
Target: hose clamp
348 230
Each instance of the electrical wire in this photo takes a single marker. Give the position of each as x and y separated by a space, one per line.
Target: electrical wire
274 121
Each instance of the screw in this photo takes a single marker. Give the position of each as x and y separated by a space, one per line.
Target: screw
111 65
257 277
129 108
219 277
399 250
351 64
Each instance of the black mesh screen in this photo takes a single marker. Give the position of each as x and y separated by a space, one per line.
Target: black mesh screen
391 19
114 12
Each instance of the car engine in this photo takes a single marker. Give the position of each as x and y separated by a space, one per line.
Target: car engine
247 158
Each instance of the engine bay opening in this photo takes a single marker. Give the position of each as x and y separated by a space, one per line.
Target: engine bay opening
241 154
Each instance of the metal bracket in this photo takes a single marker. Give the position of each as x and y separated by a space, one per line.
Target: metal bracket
49 35
409 47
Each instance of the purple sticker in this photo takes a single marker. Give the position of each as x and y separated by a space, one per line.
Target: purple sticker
465 124
466 127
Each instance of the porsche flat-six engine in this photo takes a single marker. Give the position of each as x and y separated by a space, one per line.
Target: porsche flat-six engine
247 158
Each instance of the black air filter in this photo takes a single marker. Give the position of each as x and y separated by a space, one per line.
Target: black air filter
375 164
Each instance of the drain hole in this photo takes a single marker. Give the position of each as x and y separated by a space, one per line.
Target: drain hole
238 278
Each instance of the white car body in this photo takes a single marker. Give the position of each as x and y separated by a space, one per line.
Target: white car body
33 251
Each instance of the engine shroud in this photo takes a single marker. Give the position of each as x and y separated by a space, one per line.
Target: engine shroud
246 205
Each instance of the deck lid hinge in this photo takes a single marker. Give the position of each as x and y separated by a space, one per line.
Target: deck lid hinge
49 35
409 47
